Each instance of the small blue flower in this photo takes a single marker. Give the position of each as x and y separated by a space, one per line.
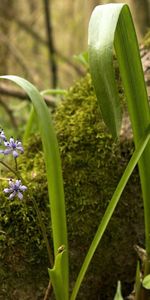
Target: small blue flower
15 189
12 147
2 136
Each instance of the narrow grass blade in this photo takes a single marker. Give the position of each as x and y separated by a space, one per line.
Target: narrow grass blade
54 173
112 26
31 121
110 209
118 295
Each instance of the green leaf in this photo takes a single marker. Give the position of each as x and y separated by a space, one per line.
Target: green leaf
118 295
102 27
54 174
111 26
146 282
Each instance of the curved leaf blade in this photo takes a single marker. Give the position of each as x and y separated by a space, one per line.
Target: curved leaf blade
53 170
102 27
120 33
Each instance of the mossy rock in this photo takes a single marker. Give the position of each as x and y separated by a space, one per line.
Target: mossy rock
92 166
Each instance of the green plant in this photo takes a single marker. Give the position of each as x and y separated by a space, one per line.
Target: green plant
101 62
112 26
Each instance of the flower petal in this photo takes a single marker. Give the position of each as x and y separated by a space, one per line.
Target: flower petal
15 154
12 195
22 188
7 190
20 195
7 151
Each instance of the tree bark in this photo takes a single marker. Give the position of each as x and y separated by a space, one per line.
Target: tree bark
6 15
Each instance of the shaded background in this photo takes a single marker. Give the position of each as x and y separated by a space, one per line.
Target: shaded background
38 39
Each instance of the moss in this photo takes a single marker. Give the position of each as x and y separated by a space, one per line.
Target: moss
92 166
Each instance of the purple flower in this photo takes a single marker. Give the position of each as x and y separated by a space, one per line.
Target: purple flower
2 136
15 189
12 147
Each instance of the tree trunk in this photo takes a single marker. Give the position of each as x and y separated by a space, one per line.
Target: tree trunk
6 16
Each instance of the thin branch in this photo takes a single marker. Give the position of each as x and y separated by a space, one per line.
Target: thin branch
10 92
48 291
50 42
17 55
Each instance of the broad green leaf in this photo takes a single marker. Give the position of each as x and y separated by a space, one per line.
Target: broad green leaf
102 27
111 27
146 282
53 171
118 295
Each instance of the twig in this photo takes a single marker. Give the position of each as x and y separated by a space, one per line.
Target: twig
17 55
7 91
50 43
41 40
48 291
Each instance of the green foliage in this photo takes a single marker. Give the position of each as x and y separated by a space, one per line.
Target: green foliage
91 172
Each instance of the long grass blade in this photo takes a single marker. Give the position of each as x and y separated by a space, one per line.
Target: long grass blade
54 175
